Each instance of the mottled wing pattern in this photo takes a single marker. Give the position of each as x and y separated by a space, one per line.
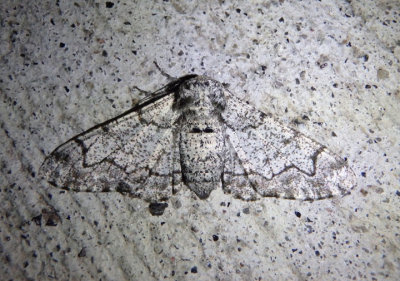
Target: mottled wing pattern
132 153
267 158
141 152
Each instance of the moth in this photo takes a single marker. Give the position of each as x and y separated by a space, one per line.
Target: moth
193 133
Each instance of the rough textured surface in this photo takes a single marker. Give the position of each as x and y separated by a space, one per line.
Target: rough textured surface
328 69
194 133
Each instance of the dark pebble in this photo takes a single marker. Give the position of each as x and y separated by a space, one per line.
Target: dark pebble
157 209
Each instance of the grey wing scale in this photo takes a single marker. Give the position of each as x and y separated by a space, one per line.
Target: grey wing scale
235 177
131 154
139 152
276 161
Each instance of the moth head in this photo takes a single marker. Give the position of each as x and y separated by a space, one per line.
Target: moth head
201 91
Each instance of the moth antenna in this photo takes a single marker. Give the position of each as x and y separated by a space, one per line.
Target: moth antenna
171 78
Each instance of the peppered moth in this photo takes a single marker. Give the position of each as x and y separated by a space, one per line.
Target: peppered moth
194 133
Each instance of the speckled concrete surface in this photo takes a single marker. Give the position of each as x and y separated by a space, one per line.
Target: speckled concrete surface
329 69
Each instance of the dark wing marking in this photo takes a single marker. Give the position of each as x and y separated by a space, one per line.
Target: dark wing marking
278 161
131 153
